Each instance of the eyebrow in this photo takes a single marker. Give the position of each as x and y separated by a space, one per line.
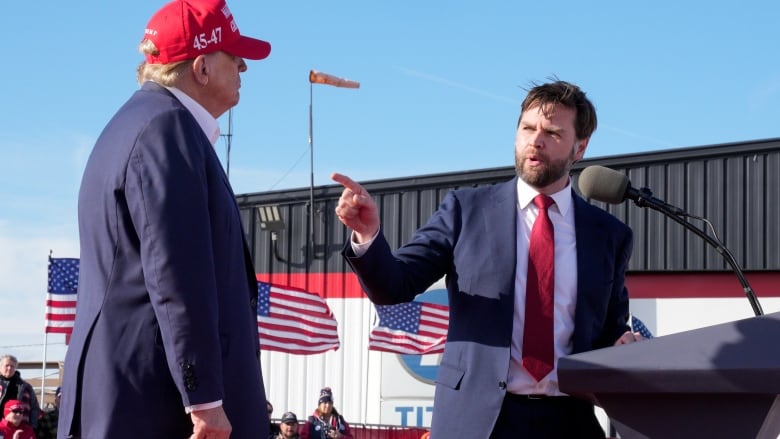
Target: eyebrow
550 128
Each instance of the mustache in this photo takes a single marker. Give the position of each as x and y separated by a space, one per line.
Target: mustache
536 155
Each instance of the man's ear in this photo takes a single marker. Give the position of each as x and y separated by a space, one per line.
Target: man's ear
200 70
579 149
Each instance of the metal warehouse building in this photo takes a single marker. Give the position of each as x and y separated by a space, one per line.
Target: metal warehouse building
676 280
736 186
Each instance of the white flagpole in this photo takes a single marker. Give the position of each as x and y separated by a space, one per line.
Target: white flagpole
43 371
45 335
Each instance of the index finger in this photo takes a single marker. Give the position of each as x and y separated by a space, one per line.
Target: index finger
347 182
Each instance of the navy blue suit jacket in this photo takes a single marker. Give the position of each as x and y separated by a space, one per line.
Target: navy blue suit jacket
471 240
166 314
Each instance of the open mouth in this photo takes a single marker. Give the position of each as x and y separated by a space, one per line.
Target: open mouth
534 160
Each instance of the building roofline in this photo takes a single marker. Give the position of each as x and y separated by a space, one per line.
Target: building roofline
490 175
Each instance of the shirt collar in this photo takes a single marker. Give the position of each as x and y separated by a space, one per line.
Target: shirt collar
205 120
526 194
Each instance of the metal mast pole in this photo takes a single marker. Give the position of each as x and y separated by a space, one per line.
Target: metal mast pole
310 245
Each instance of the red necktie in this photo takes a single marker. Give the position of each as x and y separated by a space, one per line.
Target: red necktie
538 332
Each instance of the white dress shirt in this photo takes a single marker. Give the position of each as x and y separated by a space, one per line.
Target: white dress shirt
562 216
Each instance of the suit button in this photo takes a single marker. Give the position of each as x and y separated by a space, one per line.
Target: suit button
253 303
502 385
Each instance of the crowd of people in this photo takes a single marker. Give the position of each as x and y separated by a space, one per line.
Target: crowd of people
18 399
324 423
22 414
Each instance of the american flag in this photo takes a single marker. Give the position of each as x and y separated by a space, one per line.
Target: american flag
294 321
410 328
640 327
61 295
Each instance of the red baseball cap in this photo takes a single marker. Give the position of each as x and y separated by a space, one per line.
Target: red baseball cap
185 29
13 404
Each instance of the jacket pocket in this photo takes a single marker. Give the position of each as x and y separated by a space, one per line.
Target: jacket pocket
449 376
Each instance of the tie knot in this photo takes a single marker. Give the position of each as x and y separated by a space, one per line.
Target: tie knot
543 201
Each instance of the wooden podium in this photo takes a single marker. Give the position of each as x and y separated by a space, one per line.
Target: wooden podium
721 381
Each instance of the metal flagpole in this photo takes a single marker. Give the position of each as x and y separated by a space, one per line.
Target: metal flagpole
43 368
316 77
310 245
45 334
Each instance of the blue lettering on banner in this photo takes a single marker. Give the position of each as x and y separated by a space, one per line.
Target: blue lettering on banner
405 411
414 363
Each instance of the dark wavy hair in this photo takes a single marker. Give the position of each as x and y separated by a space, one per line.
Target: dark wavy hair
556 92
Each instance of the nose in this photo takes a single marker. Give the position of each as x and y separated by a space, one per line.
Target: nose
241 64
535 138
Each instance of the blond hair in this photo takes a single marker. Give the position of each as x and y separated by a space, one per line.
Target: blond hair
163 74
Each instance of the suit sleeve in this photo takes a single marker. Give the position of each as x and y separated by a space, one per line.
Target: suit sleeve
396 277
167 195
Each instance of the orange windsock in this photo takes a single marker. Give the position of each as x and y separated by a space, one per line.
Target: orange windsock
316 77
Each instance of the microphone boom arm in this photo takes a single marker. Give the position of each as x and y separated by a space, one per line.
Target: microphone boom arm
645 199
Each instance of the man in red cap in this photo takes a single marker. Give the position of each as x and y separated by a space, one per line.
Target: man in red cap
13 424
165 340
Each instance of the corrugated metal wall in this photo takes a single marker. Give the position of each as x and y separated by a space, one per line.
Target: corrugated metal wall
736 186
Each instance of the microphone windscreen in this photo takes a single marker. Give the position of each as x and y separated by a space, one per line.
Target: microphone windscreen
603 184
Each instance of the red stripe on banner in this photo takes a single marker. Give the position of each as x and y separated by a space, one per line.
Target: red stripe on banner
700 285
664 285
326 285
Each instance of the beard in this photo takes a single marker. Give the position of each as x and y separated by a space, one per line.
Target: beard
547 174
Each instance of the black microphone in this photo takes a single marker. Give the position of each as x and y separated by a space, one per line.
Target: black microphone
610 186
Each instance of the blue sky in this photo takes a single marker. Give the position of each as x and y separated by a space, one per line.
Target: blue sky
441 85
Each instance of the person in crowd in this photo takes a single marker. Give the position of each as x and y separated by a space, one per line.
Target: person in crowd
13 387
14 424
47 424
288 427
165 336
530 256
273 429
326 422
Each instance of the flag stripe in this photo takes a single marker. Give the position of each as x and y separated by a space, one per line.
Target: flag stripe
294 338
273 324
305 318
60 319
59 330
386 334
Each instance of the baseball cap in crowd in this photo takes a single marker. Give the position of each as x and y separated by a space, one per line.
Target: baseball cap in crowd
13 405
185 29
289 417
326 395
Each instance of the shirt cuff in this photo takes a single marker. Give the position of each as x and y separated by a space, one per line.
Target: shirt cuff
362 248
204 406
